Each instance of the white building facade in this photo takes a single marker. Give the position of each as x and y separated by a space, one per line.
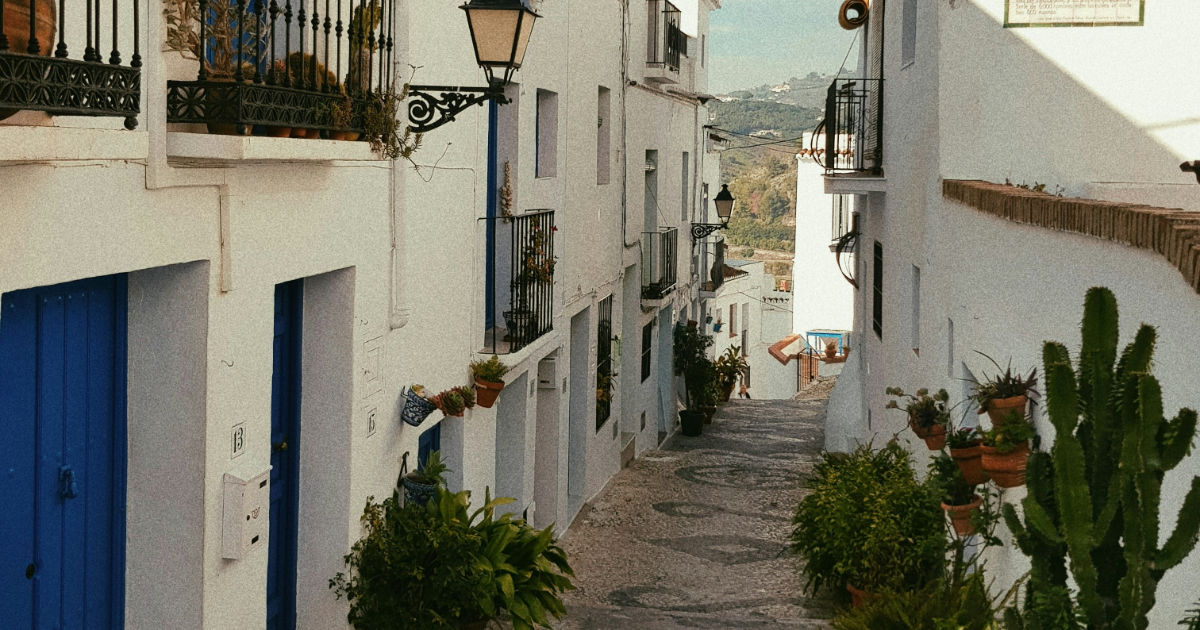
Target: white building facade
187 315
953 101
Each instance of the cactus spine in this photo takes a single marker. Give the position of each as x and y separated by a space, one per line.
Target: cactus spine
1094 499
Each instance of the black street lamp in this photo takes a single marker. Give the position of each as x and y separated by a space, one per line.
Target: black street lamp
724 203
500 34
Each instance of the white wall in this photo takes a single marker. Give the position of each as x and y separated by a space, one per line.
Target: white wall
823 298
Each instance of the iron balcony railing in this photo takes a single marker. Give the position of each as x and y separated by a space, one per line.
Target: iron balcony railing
665 41
658 262
850 139
267 66
37 39
521 281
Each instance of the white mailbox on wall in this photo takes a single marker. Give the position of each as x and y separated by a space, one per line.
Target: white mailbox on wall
247 501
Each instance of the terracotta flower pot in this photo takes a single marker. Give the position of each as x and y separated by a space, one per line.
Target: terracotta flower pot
16 28
1007 470
726 392
999 408
859 597
486 392
934 436
960 516
279 132
968 462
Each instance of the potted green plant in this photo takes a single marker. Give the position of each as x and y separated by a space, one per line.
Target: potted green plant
416 406
467 394
443 565
489 379
1005 449
729 366
958 497
964 448
1004 391
420 484
927 415
868 523
450 402
691 362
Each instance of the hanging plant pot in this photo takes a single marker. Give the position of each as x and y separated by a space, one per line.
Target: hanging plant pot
934 436
998 409
1007 470
416 407
969 463
960 516
486 392
416 488
691 423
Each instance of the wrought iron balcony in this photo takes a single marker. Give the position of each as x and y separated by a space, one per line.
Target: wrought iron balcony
658 263
850 139
665 41
271 67
38 73
520 282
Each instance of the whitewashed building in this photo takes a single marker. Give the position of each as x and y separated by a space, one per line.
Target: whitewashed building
194 323
952 101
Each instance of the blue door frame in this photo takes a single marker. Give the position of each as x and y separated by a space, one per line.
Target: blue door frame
63 456
285 456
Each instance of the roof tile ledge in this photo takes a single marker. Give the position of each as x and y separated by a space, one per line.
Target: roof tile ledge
1173 233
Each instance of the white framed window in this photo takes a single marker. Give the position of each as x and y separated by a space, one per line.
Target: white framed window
547 134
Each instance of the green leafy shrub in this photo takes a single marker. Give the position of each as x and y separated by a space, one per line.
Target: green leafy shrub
940 605
868 521
439 566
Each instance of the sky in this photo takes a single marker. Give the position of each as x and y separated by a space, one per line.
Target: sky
752 42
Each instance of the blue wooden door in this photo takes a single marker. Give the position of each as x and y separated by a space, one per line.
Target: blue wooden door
62 457
285 456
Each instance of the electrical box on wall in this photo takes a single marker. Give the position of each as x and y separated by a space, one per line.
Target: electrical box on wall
547 373
247 499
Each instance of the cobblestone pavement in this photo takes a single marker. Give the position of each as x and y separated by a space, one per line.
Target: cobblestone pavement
694 534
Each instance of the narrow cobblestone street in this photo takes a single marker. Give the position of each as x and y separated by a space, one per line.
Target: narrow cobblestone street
694 534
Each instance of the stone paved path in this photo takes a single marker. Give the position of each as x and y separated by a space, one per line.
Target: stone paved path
694 534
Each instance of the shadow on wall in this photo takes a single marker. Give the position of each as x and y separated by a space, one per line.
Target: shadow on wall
1066 132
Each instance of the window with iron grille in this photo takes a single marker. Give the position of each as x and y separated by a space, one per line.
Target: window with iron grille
647 336
877 288
605 377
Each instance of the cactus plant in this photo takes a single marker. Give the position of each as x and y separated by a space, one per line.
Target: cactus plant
1094 499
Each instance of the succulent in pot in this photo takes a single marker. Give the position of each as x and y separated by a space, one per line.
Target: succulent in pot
488 375
420 484
1005 450
964 448
958 496
927 415
1003 392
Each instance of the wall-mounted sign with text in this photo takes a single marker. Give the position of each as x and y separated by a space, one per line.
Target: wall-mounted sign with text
1025 13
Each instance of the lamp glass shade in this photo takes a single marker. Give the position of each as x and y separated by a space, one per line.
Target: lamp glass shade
500 32
724 202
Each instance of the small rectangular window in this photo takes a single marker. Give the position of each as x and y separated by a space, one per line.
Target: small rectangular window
877 292
605 378
547 133
916 310
908 35
647 336
683 189
603 134
733 320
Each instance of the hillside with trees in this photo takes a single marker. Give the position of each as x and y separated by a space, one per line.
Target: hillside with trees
760 168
